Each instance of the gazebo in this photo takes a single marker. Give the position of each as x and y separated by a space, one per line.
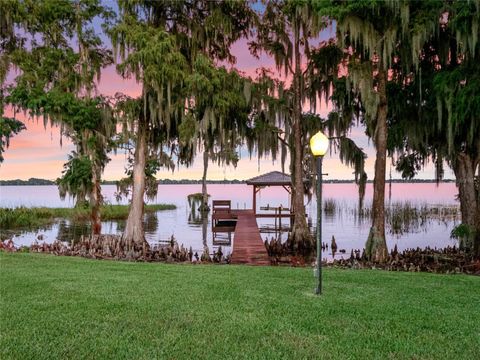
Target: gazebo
248 247
273 178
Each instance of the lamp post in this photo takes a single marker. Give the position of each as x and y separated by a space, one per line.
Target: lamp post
318 146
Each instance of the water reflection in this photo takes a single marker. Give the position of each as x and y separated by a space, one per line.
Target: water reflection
198 218
191 228
71 231
150 226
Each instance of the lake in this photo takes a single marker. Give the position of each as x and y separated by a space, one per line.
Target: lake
341 219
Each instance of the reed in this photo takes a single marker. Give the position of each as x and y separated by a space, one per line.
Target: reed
400 217
330 207
23 217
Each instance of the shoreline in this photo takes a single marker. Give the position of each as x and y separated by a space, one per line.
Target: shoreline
448 260
18 182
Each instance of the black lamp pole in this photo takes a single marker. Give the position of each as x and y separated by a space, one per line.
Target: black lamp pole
318 290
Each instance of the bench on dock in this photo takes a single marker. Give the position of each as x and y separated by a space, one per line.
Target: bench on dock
223 220
222 206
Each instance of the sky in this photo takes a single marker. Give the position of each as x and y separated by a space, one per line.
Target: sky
39 152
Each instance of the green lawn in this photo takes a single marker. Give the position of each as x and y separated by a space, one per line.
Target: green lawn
61 307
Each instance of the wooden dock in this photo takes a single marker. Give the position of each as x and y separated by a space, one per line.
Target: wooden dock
248 247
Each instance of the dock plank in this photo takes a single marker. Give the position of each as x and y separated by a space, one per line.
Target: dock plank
248 247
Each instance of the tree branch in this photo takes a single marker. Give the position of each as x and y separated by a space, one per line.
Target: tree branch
283 141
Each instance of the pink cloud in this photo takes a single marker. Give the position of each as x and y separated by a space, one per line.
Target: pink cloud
112 83
36 152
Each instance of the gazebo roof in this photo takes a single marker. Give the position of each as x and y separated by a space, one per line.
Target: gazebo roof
271 179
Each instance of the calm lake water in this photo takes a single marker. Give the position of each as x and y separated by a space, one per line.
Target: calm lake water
343 222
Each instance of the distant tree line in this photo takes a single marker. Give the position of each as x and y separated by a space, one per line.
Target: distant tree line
35 181
31 181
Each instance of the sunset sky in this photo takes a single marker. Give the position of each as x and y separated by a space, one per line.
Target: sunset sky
36 152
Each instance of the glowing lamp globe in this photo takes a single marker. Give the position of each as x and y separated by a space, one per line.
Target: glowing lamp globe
319 144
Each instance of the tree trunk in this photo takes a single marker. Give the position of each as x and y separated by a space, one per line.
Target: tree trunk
476 243
476 240
96 199
204 206
134 235
376 246
81 198
204 216
300 237
464 169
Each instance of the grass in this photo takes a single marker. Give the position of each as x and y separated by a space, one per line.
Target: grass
23 217
63 307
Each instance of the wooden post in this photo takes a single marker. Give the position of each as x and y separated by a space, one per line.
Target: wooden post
280 218
275 222
254 200
292 210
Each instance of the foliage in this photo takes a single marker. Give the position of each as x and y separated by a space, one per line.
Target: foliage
382 45
59 61
8 128
457 95
221 110
434 115
189 101
76 177
11 12
273 122
460 232
465 234
173 48
439 120
286 32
